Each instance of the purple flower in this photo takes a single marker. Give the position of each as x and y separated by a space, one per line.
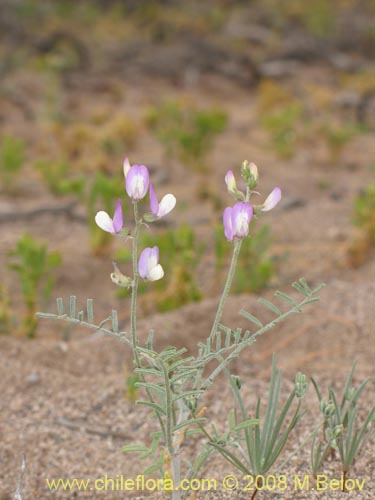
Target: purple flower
166 205
236 220
104 221
272 200
137 180
148 266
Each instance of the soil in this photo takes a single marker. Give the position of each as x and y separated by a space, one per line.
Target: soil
63 394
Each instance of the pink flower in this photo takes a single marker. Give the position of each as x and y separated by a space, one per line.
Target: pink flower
104 221
272 200
148 264
166 205
236 220
137 180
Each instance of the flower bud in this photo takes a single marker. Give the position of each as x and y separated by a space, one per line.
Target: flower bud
249 172
301 385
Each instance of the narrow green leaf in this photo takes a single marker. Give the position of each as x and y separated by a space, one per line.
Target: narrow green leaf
45 315
188 423
300 289
150 340
288 299
90 310
154 406
318 393
251 318
160 389
149 371
231 419
72 306
270 306
188 394
114 321
153 468
60 306
246 424
130 448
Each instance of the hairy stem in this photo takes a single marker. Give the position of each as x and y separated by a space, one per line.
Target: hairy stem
228 283
230 276
172 451
133 307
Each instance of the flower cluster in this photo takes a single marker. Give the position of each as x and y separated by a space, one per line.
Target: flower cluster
237 219
137 185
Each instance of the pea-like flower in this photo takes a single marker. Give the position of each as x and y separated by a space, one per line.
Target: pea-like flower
236 220
137 180
272 200
104 221
165 206
148 264
230 181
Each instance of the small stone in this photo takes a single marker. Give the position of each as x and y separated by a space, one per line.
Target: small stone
33 378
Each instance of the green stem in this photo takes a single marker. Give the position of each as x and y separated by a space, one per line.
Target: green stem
228 283
133 307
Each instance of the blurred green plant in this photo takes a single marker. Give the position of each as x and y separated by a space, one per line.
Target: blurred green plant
255 269
337 136
33 263
362 244
364 212
102 195
186 132
56 175
120 134
181 256
5 312
317 18
12 158
340 432
282 125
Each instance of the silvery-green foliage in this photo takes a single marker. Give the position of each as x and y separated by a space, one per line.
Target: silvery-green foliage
341 431
108 326
253 445
172 382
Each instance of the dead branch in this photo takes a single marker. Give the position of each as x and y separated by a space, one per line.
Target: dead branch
18 493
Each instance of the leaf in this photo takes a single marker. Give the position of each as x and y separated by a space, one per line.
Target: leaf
288 299
114 321
154 387
188 423
154 406
72 306
150 340
246 424
90 311
270 306
134 448
251 318
60 306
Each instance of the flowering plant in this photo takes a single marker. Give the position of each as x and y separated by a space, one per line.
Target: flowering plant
173 383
